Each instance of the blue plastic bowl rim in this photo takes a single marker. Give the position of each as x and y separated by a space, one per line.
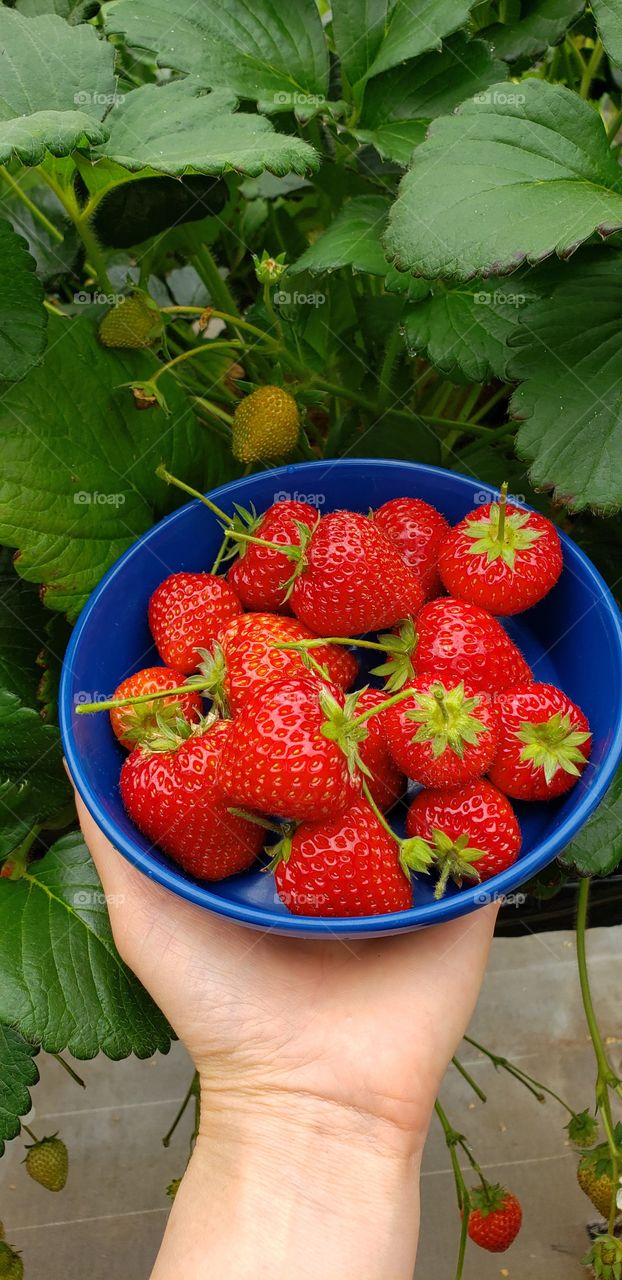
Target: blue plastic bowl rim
449 908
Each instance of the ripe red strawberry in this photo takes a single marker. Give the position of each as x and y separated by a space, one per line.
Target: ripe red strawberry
417 529
495 1218
187 612
501 557
343 865
445 735
132 725
259 574
544 743
461 640
352 579
386 783
246 656
172 796
276 758
472 830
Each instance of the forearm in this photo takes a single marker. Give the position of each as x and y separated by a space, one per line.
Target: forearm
303 1188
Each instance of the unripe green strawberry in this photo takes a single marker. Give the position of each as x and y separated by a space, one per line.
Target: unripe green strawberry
135 322
11 1265
594 1176
265 425
605 1258
47 1162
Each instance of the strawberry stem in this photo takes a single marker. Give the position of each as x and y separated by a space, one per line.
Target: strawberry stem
439 698
86 708
320 640
380 816
29 1131
503 500
193 1091
163 474
534 1086
255 818
286 548
466 1075
383 706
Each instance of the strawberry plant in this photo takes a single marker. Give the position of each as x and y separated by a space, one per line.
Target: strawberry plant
227 241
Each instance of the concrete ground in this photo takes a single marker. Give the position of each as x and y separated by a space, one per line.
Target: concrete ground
107 1223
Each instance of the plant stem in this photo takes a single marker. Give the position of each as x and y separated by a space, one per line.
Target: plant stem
210 345
256 820
591 68
268 304
221 551
469 1079
69 1069
383 706
30 1132
534 1086
93 251
87 708
614 125
29 204
217 288
321 640
462 1191
392 352
380 816
163 474
503 502
210 407
489 404
192 1092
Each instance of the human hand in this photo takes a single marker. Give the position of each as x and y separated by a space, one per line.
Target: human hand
343 1040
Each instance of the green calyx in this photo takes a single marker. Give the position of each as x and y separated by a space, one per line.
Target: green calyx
168 734
446 719
148 720
488 1198
582 1129
551 745
11 1265
341 727
598 1159
455 859
281 851
296 552
213 669
605 1258
400 648
499 535
415 855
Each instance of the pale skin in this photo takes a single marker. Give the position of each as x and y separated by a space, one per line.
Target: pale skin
319 1066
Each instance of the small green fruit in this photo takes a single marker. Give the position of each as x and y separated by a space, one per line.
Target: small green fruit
135 322
266 425
11 1265
47 1162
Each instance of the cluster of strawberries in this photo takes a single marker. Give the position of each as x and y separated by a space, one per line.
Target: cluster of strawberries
289 747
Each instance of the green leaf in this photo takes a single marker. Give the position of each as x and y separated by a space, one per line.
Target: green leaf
376 35
353 239
57 83
539 24
71 10
133 211
463 329
201 134
521 173
22 636
18 1073
608 15
33 783
77 492
398 102
393 437
254 48
62 982
23 318
569 361
597 849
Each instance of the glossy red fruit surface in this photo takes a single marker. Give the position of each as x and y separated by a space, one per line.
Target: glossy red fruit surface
495 1219
544 743
354 579
504 574
277 760
456 639
187 612
260 573
445 735
417 529
134 724
173 798
477 811
345 865
251 657
387 783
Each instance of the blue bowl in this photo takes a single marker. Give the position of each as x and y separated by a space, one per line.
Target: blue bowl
573 639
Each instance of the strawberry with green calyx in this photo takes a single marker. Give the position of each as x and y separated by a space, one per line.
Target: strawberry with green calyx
268 268
444 735
186 613
582 1129
134 322
544 742
417 529
251 652
605 1258
261 573
595 1175
266 425
170 791
471 830
458 639
135 722
398 647
11 1265
343 865
501 557
281 756
495 1217
47 1161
